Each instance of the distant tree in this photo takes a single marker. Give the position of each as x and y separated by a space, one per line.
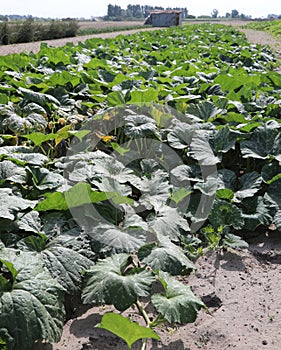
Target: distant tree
117 11
234 14
129 12
4 33
114 12
215 13
26 30
227 15
3 18
147 10
110 10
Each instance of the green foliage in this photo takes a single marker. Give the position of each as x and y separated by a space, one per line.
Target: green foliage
108 282
272 27
193 142
125 329
31 30
32 291
177 304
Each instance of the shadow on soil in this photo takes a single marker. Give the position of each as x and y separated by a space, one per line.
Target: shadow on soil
100 339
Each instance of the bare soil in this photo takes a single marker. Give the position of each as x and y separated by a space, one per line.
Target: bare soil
240 288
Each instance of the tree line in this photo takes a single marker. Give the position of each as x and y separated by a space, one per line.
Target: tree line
232 14
115 12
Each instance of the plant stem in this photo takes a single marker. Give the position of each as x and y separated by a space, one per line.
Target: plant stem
144 344
159 319
147 320
142 311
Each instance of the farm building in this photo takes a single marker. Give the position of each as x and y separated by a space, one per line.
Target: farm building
164 18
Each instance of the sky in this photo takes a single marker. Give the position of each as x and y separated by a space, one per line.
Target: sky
89 8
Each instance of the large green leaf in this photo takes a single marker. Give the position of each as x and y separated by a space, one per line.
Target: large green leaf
16 124
63 78
28 158
274 193
183 174
177 304
208 187
127 236
103 167
38 137
115 98
271 172
223 140
37 121
37 97
263 143
65 256
227 179
255 213
204 110
165 256
44 179
65 263
108 184
126 329
249 184
11 204
78 195
155 190
11 150
139 126
225 214
234 242
202 151
33 308
168 222
144 96
107 282
30 222
181 135
34 108
11 172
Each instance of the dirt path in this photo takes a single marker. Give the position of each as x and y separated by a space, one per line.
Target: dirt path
35 46
262 38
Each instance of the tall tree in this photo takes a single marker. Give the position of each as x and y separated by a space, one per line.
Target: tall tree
215 13
234 14
110 10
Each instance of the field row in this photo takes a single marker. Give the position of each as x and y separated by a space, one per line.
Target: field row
122 161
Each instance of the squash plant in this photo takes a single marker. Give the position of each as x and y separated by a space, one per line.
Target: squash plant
121 161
